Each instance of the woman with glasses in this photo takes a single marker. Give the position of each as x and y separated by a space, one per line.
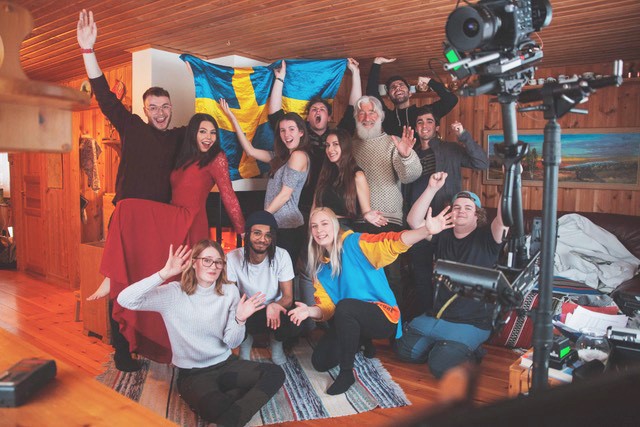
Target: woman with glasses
205 318
141 229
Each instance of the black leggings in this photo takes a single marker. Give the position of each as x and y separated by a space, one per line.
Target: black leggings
257 324
231 392
353 320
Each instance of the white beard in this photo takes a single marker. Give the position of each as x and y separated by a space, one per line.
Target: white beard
364 133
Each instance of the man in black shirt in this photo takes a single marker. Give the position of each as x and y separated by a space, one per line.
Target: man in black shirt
437 155
398 89
149 152
458 326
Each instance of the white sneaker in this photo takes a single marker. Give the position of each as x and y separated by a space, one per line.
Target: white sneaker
245 348
277 352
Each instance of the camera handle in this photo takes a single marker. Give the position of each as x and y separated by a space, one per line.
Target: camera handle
557 100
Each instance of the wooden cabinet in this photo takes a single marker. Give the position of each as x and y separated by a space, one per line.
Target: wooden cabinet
95 314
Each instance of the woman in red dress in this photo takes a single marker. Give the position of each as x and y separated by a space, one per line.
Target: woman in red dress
141 230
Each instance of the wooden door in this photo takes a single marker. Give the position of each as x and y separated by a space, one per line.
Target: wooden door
30 231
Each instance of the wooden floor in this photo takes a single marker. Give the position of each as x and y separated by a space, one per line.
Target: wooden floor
43 314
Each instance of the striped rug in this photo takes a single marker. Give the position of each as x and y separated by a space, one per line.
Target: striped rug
303 396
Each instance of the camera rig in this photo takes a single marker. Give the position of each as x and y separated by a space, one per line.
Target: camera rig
492 39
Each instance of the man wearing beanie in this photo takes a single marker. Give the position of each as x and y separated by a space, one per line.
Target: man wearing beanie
453 333
399 93
261 266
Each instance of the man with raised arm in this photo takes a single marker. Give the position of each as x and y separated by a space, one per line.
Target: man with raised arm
437 155
398 89
456 328
148 149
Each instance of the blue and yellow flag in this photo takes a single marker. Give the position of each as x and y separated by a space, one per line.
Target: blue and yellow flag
247 91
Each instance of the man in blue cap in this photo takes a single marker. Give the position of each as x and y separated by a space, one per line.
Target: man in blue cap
456 328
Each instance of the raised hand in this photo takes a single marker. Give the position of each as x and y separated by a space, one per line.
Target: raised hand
423 83
353 65
273 315
300 313
437 180
457 128
177 262
87 31
248 306
405 145
376 218
282 71
435 225
383 60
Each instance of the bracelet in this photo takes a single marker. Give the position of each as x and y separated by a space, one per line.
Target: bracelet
83 51
240 322
278 78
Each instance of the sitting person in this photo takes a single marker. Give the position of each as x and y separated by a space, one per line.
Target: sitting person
352 292
262 267
205 319
460 325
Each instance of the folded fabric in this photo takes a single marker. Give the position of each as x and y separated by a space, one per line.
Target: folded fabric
588 253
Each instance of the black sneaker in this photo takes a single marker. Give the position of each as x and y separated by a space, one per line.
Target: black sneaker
125 363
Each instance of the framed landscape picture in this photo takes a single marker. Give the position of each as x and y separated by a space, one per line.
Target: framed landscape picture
591 158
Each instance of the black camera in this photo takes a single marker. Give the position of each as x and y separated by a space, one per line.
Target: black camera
492 39
494 25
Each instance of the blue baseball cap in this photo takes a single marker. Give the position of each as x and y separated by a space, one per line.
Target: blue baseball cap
468 195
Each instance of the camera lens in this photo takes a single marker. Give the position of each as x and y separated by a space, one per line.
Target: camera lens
470 27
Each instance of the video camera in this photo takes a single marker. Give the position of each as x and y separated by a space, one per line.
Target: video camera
492 39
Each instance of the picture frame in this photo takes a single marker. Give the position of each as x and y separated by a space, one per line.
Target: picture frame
605 158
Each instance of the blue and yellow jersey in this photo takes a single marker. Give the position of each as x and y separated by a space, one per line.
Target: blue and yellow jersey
361 276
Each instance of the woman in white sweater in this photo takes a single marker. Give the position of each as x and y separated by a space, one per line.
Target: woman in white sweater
205 318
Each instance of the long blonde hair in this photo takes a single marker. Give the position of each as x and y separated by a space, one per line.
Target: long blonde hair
317 253
189 282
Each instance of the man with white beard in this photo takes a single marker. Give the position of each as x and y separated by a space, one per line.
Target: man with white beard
387 161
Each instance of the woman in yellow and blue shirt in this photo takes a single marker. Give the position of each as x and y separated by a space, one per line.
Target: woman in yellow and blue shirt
351 291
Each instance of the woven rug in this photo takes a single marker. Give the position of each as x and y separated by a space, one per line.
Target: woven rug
303 396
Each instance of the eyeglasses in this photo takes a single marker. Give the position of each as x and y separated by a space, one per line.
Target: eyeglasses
208 262
257 234
154 108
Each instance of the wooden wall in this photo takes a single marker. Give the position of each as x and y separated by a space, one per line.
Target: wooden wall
48 225
608 108
93 123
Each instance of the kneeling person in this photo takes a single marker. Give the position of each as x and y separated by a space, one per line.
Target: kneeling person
458 326
262 267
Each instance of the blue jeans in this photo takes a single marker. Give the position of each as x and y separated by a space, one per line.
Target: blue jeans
441 344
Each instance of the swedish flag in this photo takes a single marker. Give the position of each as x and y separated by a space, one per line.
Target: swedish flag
247 91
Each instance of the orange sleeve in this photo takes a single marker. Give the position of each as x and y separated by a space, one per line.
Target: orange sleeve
323 301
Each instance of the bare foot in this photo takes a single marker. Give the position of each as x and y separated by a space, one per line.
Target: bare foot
102 291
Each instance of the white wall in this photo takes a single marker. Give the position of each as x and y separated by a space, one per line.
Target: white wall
154 67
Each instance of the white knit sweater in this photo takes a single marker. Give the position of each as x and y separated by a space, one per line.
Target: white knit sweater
201 327
385 169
